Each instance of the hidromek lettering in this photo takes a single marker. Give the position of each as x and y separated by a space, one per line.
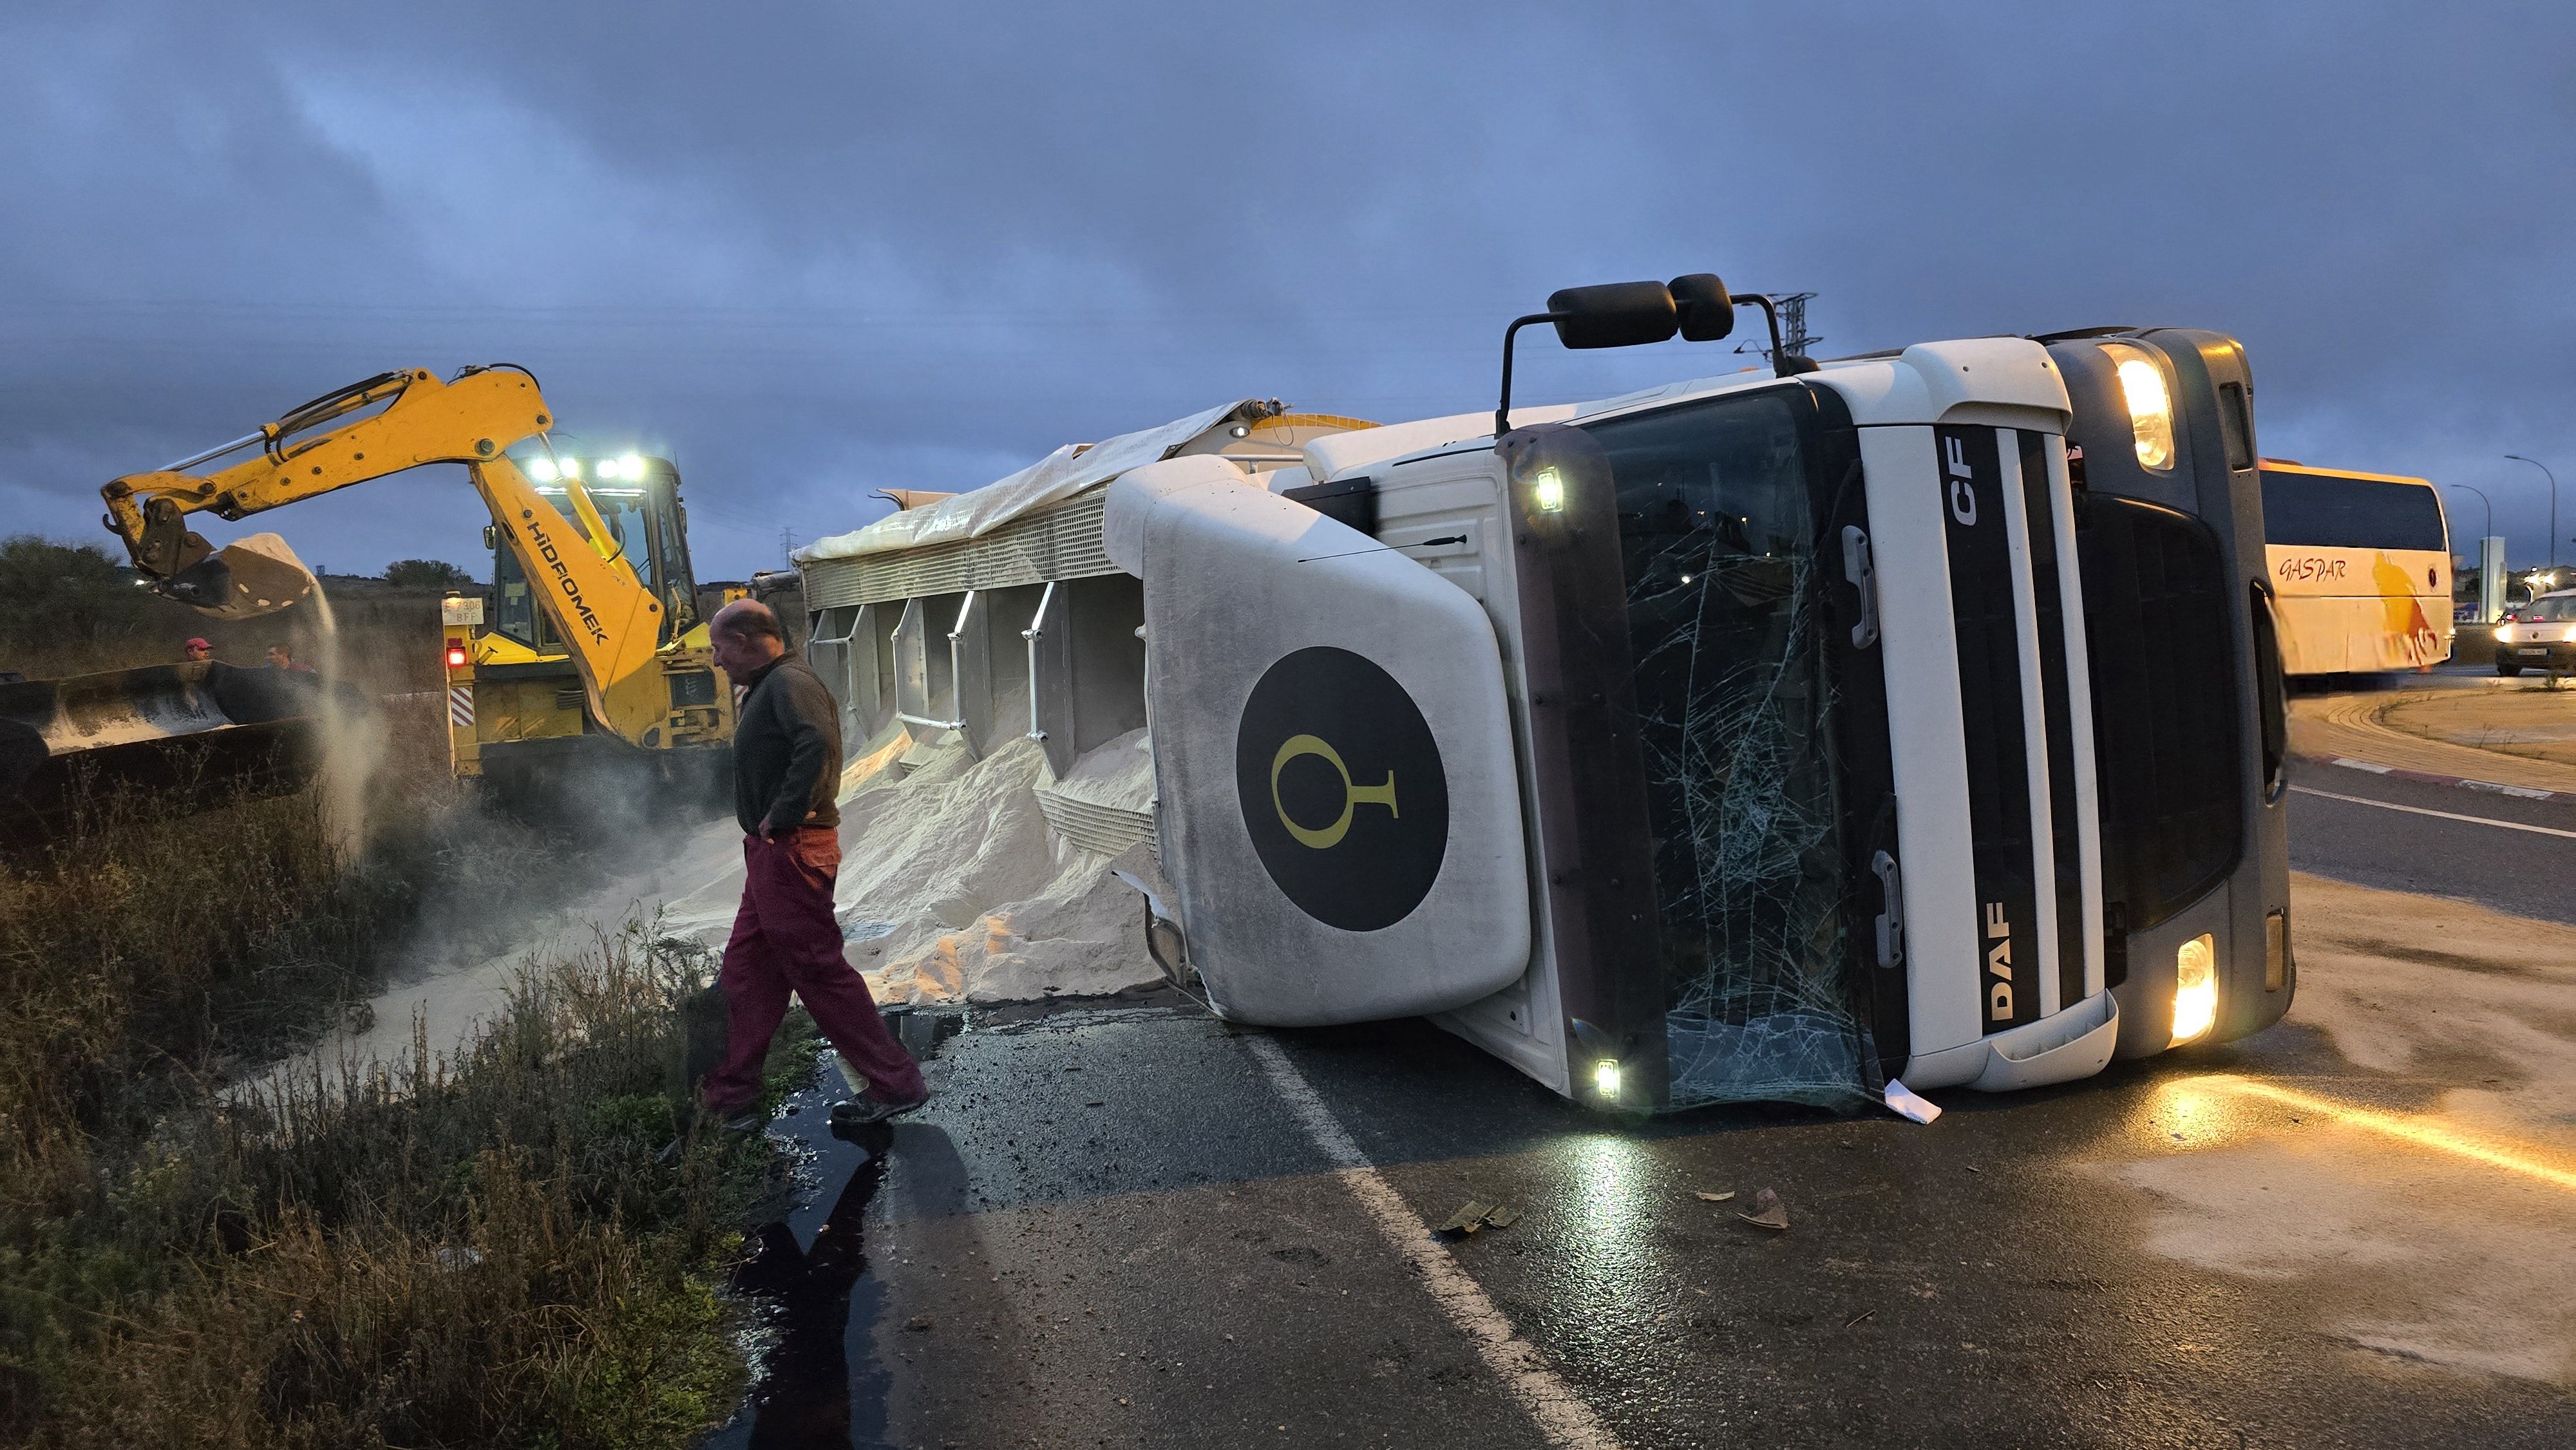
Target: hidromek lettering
545 547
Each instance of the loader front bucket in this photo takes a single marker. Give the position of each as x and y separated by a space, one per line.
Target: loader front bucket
187 736
251 576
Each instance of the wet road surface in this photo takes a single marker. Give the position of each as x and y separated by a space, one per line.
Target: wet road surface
1125 1226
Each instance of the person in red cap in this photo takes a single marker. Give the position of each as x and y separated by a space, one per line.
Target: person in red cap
198 651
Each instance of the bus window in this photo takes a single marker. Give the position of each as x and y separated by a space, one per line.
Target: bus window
2338 511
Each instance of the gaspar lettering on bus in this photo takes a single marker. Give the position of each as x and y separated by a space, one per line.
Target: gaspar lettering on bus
2311 567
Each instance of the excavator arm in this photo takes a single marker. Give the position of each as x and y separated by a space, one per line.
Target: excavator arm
607 616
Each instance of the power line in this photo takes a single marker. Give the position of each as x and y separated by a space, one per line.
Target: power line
1794 337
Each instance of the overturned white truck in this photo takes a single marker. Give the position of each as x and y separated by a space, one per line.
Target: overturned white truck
1751 737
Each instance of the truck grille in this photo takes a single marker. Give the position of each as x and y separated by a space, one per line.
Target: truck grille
2156 594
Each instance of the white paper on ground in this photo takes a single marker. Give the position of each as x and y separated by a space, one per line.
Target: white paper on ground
1906 1103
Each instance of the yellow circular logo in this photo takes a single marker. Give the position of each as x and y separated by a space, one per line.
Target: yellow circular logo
1342 789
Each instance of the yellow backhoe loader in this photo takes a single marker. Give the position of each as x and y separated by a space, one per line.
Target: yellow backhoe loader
625 617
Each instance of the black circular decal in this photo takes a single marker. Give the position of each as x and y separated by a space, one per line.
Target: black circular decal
1342 789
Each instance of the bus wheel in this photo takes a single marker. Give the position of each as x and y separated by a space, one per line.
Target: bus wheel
2508 669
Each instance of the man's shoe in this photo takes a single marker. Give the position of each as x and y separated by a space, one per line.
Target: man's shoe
861 1112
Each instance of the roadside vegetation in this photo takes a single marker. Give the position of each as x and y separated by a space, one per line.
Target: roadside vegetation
517 1241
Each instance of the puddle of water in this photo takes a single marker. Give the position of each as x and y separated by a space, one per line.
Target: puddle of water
818 1383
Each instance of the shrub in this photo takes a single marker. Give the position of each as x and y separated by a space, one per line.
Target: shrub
426 574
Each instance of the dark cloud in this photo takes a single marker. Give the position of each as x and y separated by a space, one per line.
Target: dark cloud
819 249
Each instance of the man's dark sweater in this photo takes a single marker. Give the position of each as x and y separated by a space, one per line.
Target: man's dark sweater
786 750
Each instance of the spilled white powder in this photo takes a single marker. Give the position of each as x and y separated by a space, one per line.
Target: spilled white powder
954 888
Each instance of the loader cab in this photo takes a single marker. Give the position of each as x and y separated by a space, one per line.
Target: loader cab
638 497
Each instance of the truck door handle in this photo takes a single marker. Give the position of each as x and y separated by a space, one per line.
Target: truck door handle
1891 919
1863 576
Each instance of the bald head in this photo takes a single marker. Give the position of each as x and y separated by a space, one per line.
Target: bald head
745 636
748 619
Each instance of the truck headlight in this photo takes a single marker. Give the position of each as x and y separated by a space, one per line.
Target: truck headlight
1605 1078
2142 386
2195 989
2504 634
1548 492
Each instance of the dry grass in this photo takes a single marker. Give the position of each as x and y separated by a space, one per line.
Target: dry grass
517 1246
522 1248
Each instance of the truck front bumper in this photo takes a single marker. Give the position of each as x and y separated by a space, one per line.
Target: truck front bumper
2076 1043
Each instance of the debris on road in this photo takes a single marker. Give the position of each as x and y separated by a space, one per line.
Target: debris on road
1477 1214
918 1324
1768 1211
1907 1103
1707 1197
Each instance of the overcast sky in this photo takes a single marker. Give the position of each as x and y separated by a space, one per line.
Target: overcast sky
811 250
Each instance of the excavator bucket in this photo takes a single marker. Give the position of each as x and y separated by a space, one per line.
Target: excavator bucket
186 736
251 576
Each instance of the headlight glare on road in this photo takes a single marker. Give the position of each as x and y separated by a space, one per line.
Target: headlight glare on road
2195 989
1605 1078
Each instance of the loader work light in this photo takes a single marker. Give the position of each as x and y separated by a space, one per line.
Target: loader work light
1548 492
1605 1078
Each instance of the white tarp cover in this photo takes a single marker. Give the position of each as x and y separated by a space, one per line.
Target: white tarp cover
1060 475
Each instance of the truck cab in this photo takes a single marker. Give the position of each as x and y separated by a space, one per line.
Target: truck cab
1745 738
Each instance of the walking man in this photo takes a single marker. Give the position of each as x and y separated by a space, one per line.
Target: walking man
786 772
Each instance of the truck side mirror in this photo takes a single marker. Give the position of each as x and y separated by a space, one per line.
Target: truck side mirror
1613 314
1707 311
491 537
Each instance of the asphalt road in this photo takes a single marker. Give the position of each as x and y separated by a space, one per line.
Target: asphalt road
2405 835
1139 1226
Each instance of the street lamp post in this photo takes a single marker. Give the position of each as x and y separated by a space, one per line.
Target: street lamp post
2490 561
2553 502
2482 498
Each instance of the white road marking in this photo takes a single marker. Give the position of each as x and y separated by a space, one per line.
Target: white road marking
1561 1416
2441 815
2363 765
2523 791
